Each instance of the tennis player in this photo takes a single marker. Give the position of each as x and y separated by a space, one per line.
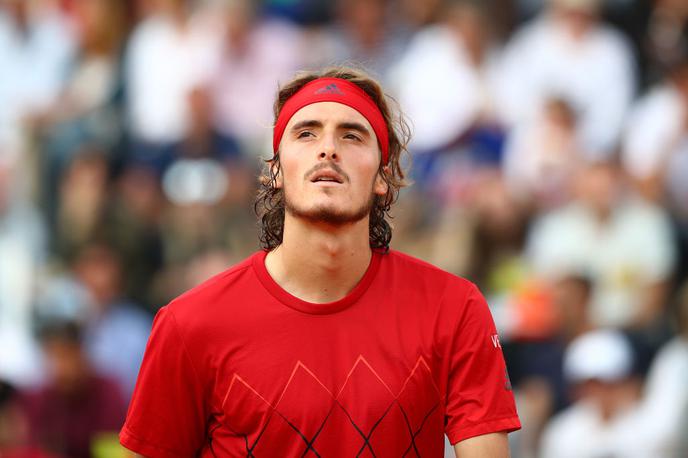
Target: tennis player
326 342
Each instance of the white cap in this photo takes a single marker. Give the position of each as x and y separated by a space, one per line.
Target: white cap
602 355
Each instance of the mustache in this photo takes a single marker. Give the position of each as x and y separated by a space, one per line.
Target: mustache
326 165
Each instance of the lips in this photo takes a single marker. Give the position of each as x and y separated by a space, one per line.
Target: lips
328 176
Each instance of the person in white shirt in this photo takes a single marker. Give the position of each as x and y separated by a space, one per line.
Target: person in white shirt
653 425
655 147
665 401
568 53
37 43
625 244
599 423
456 87
171 52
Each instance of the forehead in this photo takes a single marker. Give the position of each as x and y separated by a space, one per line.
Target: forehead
329 112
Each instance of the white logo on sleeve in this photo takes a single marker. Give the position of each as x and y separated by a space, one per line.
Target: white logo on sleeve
495 341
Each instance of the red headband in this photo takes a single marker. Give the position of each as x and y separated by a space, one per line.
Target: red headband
334 90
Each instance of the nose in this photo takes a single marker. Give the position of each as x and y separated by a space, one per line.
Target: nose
328 149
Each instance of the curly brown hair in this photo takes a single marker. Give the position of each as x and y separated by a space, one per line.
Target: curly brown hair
269 204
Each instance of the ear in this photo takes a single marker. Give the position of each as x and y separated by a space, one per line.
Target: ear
381 187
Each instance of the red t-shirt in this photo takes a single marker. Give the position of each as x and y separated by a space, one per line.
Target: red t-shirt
239 367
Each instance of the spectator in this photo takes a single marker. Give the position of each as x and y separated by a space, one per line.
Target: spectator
500 225
602 419
13 427
76 403
82 202
655 424
599 234
86 110
665 40
542 156
665 402
115 331
571 296
567 53
364 32
36 44
656 150
454 92
536 366
171 52
132 227
255 55
204 140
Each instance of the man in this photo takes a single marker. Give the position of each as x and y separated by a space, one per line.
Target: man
568 52
326 343
78 407
598 232
603 419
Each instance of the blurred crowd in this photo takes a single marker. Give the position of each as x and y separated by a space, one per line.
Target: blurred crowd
549 160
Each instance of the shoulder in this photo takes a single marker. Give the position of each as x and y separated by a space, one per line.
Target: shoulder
415 273
215 290
439 296
200 316
405 261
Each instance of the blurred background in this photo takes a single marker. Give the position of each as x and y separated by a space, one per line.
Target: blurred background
550 160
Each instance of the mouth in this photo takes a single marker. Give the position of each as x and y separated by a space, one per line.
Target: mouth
327 176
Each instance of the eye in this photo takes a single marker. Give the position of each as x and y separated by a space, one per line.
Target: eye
352 137
304 134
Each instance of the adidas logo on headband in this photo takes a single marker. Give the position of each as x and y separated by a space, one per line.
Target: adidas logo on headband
329 89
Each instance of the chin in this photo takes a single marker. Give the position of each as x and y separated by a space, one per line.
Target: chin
329 214
329 211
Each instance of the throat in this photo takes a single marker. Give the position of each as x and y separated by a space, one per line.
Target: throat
320 275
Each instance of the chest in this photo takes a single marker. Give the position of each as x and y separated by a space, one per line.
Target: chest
334 385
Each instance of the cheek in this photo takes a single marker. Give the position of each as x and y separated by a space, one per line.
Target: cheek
288 172
371 177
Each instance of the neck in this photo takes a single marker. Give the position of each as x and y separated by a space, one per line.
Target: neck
318 262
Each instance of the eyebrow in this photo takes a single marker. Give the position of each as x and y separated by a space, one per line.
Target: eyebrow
307 123
357 126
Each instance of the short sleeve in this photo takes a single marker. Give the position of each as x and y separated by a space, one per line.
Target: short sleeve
479 396
167 414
